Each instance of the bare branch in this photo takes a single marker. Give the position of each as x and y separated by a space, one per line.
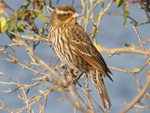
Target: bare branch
140 95
145 53
112 51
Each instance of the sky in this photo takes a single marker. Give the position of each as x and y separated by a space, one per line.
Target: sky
112 35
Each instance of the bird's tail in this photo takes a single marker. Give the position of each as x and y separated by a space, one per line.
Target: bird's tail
97 80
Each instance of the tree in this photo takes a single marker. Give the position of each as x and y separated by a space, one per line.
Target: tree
30 75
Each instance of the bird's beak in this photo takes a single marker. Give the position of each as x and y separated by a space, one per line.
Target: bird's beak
76 15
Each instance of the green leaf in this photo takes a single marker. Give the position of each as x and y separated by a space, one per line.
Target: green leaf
126 13
11 16
119 3
25 5
124 22
34 15
37 11
6 26
23 13
126 8
43 17
11 24
21 26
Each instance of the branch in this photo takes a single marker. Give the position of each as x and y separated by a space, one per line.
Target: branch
112 51
140 95
142 45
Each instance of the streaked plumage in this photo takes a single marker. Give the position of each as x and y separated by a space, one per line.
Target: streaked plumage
73 46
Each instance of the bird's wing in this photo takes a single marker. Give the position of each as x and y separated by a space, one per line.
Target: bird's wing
81 42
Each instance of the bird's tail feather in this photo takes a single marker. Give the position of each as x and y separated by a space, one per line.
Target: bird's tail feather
97 79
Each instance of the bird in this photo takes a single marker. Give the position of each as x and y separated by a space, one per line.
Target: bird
74 48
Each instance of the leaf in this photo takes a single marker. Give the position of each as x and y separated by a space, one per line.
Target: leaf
136 69
2 24
89 89
112 53
43 17
34 15
23 13
86 21
125 15
126 8
31 0
124 22
11 24
119 3
2 11
132 46
37 11
6 26
97 46
24 5
79 21
21 26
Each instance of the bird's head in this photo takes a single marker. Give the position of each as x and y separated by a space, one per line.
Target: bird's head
64 15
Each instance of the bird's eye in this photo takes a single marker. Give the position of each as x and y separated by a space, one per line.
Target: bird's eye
68 14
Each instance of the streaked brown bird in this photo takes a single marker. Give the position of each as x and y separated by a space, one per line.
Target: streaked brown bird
73 46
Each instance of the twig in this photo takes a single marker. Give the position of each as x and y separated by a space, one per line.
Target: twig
140 95
44 105
24 96
129 71
112 51
87 94
141 107
148 61
81 99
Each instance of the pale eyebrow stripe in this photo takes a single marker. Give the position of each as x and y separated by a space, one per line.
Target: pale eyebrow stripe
62 12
